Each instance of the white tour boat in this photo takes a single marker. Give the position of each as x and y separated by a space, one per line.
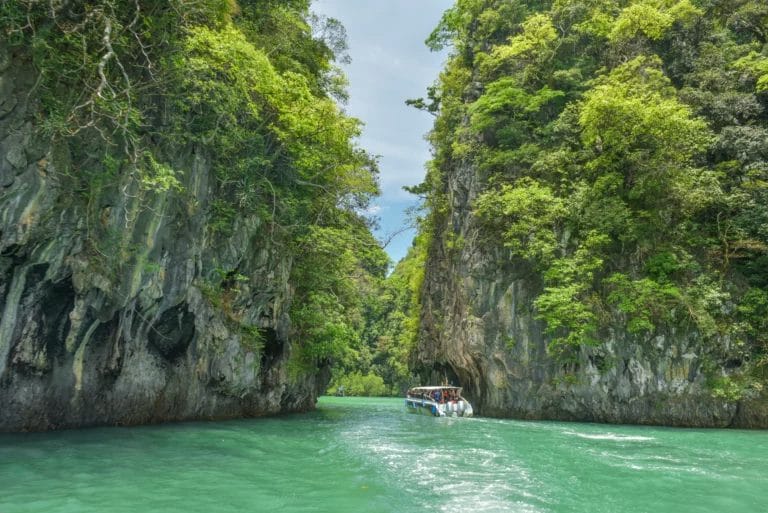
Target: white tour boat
438 402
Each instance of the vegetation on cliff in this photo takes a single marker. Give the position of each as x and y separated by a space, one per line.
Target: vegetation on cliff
380 363
623 150
129 89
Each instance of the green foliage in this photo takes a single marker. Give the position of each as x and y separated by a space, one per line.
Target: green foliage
568 379
568 304
527 214
530 50
223 215
725 387
323 329
137 97
358 384
226 82
640 18
590 18
159 177
757 65
454 25
663 266
391 321
637 127
645 301
538 33
621 155
754 310
252 339
507 112
275 139
337 272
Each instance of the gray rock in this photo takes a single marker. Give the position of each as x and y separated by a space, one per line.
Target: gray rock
110 310
15 156
479 329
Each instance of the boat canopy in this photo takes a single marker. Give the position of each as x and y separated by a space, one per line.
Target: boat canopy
432 389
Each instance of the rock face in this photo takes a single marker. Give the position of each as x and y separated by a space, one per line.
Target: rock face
122 306
479 329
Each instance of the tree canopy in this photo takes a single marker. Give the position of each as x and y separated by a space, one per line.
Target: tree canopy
252 89
623 150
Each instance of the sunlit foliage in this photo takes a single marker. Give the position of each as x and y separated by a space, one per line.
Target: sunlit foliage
249 89
623 150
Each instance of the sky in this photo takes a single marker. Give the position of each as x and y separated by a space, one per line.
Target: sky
391 64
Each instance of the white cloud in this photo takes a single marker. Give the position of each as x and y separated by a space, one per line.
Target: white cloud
390 64
373 210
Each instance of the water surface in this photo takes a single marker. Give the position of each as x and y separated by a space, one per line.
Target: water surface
366 455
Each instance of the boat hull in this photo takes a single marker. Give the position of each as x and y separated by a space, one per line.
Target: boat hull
435 409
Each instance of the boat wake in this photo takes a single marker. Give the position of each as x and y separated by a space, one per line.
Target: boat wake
613 437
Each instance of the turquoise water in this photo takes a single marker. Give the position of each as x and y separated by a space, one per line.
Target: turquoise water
366 455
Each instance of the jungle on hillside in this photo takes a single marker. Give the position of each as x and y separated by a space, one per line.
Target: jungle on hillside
622 148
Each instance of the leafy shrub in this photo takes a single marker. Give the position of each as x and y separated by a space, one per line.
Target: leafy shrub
358 384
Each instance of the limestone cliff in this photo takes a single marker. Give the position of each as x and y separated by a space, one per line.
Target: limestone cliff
121 305
596 208
479 328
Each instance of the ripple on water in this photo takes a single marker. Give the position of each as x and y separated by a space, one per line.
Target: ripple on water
444 471
610 437
367 455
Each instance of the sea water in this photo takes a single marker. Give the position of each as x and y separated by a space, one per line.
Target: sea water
368 455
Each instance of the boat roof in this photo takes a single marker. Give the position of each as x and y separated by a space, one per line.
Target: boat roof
436 388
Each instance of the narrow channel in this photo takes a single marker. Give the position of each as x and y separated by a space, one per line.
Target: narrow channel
356 454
